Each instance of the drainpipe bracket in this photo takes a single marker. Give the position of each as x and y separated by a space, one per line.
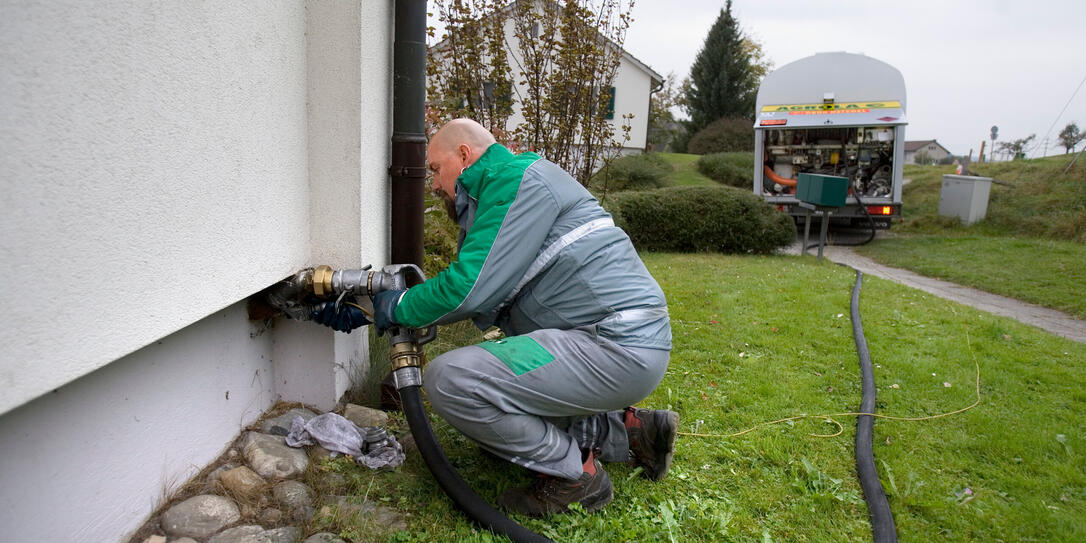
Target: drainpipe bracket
397 170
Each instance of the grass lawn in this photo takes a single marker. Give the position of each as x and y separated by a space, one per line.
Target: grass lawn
1039 201
686 170
762 338
1030 246
1045 272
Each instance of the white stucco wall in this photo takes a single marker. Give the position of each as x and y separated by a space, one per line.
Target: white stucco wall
160 163
90 460
348 67
154 167
632 88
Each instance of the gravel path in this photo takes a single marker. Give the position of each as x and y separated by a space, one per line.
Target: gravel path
1050 320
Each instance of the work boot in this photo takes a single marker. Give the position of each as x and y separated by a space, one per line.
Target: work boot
549 495
652 440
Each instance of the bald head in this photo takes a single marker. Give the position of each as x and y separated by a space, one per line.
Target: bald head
462 131
454 147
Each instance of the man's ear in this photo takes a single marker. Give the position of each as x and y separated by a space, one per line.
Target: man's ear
465 152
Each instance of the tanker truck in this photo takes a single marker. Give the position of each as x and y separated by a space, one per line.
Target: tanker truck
839 114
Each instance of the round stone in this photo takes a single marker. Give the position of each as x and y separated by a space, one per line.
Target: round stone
200 516
243 483
240 534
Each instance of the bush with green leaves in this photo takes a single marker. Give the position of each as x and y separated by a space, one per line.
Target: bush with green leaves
732 169
701 219
439 236
723 135
632 172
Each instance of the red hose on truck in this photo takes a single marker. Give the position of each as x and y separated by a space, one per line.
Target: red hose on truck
778 179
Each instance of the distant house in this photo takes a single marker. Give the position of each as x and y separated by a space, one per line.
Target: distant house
933 149
632 90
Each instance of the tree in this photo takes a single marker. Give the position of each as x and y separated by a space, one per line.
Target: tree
1016 148
759 64
565 57
724 80
664 127
923 158
470 76
1070 136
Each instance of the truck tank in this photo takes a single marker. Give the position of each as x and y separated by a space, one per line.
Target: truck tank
837 114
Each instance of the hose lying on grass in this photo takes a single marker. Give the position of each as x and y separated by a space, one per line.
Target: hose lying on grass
882 520
451 482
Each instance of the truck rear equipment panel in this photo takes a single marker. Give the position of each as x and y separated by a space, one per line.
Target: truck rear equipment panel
838 114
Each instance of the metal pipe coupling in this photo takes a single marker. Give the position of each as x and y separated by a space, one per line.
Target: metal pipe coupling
407 354
358 282
407 377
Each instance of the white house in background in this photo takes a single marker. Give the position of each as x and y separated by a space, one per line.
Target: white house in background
931 147
634 84
161 162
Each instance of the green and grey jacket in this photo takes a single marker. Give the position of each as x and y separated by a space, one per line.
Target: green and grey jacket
537 251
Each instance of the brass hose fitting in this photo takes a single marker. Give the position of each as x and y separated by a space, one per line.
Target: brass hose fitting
322 281
407 354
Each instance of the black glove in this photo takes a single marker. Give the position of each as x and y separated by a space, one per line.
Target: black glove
384 309
344 319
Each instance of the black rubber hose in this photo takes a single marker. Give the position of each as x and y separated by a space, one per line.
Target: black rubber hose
870 222
882 520
870 237
450 481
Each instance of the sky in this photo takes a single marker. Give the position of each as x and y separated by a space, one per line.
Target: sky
967 64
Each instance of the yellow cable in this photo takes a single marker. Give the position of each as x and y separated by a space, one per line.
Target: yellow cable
969 345
367 313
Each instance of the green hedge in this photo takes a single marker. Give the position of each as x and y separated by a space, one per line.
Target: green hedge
632 172
730 134
732 169
695 219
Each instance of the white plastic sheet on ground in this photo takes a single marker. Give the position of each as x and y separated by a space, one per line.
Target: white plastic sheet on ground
335 433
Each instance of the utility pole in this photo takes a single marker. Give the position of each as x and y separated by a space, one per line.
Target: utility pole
1045 152
980 157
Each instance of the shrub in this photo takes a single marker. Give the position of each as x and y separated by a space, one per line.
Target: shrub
439 236
732 169
632 172
723 135
681 140
692 219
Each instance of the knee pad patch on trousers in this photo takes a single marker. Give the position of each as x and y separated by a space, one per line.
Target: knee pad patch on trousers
521 354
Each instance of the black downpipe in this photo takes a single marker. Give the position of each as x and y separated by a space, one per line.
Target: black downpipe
450 481
408 171
882 520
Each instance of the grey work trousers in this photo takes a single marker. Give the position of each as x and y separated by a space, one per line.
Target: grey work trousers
541 419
